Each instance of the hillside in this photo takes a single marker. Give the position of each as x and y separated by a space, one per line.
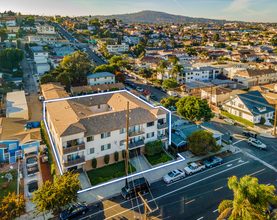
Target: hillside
156 17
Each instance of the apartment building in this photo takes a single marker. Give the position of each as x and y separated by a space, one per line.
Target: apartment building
93 126
45 29
6 19
42 39
101 78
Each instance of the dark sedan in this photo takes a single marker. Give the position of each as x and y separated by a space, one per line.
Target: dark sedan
213 161
75 210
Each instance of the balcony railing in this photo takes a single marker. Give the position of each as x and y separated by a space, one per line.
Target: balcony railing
73 149
136 133
74 162
163 136
136 144
161 126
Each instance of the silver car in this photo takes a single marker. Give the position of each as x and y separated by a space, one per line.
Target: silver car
174 175
256 143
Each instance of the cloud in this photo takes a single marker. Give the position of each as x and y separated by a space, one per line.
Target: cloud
179 5
238 5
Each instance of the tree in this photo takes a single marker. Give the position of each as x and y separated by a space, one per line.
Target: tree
177 69
202 142
158 147
220 45
104 68
64 79
116 156
3 34
115 59
191 51
119 77
170 101
170 83
10 58
216 37
57 195
149 149
229 48
173 44
107 159
243 61
251 199
193 108
11 206
163 44
46 78
145 72
94 163
173 59
162 66
30 21
138 49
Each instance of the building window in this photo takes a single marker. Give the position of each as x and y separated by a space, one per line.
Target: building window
240 105
122 131
121 143
150 124
105 147
105 135
90 151
149 135
94 79
12 146
90 138
99 106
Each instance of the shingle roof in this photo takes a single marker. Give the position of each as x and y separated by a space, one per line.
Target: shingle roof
255 72
254 100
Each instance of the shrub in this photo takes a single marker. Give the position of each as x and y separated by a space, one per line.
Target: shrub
107 159
237 118
94 163
124 154
116 156
173 151
149 149
262 121
158 147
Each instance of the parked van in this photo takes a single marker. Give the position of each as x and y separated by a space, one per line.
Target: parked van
134 187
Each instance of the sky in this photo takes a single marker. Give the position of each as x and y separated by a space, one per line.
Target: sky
239 10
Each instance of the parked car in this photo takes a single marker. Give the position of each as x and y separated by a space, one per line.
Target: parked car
256 143
145 81
171 93
32 160
32 186
29 59
32 170
139 89
194 168
133 187
172 108
249 134
174 175
75 210
218 116
163 89
27 93
157 87
154 98
213 161
145 92
230 121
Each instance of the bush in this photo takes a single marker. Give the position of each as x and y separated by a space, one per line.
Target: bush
158 147
149 149
237 118
124 154
107 159
262 121
116 156
158 158
94 163
173 151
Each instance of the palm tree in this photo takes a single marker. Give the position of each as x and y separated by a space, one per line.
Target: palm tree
251 199
177 68
162 66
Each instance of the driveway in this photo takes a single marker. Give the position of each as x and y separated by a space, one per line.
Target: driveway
34 105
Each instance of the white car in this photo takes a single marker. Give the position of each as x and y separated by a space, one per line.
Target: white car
172 93
139 89
145 81
256 143
32 186
194 168
174 175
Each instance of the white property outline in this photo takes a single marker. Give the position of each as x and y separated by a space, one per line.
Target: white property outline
54 149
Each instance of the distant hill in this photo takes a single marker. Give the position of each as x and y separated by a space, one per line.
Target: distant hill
156 17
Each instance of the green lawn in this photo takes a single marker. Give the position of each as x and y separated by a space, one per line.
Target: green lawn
158 158
12 187
109 172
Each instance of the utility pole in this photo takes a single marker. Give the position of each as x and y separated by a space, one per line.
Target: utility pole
127 144
149 91
275 119
145 205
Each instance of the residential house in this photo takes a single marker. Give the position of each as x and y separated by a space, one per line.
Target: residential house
93 126
147 62
193 88
101 78
53 91
217 95
17 138
13 29
62 51
7 20
40 58
42 39
251 106
78 90
16 105
45 29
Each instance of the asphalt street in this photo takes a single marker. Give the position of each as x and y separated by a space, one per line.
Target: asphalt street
269 155
98 61
139 83
195 197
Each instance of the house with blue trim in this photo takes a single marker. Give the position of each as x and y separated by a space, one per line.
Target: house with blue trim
17 138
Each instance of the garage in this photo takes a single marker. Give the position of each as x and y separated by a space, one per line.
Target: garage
30 151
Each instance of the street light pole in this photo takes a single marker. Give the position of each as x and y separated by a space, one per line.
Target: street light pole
127 144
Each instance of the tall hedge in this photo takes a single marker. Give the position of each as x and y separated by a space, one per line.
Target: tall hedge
124 154
107 159
237 118
116 156
94 163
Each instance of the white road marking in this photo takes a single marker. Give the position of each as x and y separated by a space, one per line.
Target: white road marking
268 184
200 218
240 161
176 190
229 165
239 141
215 211
206 170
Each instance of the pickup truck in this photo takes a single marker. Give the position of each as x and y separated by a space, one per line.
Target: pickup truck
194 168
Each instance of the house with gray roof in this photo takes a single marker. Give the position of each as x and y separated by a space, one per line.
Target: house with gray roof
100 78
251 106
